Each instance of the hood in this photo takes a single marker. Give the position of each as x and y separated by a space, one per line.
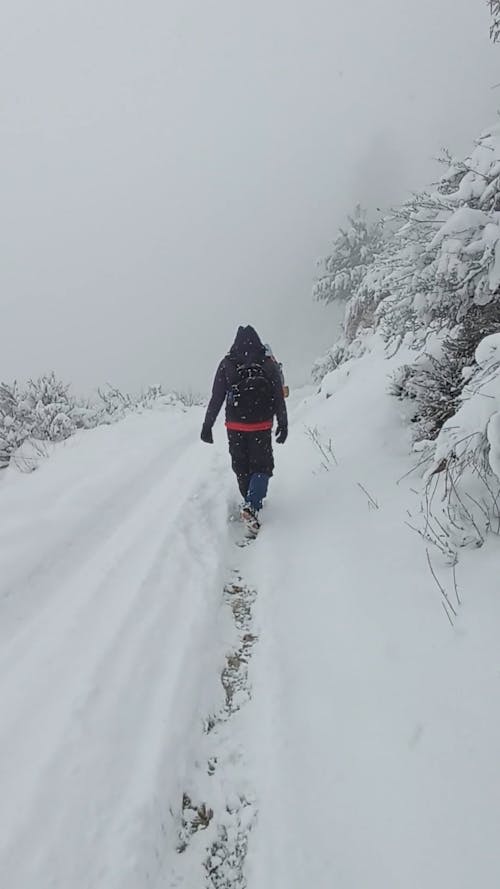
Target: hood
247 344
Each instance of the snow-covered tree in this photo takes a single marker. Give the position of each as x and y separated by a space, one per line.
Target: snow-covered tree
328 362
442 259
433 285
352 253
450 293
345 278
455 234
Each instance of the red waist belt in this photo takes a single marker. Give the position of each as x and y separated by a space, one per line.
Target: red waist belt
249 427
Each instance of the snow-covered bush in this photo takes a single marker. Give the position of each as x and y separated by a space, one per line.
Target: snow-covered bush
468 431
189 398
461 502
157 396
435 381
434 385
114 404
44 410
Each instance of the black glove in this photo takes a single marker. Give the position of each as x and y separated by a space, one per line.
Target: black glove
206 434
281 434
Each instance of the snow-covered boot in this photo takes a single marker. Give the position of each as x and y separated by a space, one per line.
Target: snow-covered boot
250 517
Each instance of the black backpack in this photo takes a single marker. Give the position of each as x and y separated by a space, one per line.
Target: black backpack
250 397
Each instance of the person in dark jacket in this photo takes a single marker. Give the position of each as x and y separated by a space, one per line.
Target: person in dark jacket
249 381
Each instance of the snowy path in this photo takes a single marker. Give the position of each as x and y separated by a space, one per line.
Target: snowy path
177 712
106 634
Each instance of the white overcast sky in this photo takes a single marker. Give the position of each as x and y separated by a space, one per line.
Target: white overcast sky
170 169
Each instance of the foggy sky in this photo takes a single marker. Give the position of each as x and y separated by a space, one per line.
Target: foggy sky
172 168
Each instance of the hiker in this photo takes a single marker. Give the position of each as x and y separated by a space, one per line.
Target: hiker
250 382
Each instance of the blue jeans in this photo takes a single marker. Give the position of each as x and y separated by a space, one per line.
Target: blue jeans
257 490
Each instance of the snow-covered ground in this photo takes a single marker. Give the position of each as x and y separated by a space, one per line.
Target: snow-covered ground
110 574
376 722
179 711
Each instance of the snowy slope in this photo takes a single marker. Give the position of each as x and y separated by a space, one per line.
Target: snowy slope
178 711
377 725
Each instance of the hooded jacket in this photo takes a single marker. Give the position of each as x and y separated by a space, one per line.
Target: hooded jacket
246 349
